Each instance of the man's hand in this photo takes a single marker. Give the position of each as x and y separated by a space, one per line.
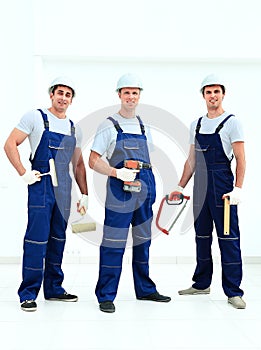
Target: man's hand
82 205
235 196
125 174
174 196
31 176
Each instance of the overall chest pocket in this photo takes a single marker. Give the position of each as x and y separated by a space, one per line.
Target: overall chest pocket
60 151
202 148
205 153
131 144
56 145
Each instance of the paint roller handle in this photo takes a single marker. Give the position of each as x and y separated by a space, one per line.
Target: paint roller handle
31 176
51 172
43 174
82 211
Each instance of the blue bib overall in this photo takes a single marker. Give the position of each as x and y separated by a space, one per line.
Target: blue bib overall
123 209
213 178
48 213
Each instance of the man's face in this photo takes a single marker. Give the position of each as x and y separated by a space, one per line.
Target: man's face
129 97
213 96
61 98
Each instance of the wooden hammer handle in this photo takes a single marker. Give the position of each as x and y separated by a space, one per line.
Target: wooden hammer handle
226 216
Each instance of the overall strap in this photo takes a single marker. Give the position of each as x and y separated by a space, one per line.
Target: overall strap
142 128
46 122
198 125
116 124
45 119
46 127
220 126
72 128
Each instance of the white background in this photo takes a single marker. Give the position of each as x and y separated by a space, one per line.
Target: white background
172 45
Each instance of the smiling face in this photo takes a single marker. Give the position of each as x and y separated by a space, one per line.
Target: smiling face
61 98
213 96
129 98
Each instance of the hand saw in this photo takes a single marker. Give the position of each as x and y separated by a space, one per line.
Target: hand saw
182 199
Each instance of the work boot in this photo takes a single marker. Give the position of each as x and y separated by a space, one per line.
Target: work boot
194 291
107 306
156 297
29 305
237 302
64 297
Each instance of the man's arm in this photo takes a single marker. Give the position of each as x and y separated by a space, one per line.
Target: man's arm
11 149
99 165
102 167
188 170
189 167
239 153
79 170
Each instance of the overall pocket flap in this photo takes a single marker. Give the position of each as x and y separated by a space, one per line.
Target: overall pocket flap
131 144
202 148
56 144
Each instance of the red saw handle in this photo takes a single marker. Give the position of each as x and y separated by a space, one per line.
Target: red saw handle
166 199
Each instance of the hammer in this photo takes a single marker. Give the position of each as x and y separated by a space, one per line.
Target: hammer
226 216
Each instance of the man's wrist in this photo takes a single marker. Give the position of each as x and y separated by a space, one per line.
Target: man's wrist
179 188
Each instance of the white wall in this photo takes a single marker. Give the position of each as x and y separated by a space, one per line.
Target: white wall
172 49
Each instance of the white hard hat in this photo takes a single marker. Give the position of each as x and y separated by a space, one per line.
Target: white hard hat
211 79
64 81
129 80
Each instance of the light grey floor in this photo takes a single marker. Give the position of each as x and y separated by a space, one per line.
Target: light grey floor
187 322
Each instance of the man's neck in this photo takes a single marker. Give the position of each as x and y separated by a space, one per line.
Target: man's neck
60 115
211 114
127 114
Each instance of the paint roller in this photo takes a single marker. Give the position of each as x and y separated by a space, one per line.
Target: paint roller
52 172
81 225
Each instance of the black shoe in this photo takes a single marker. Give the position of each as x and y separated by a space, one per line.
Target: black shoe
64 297
29 305
107 306
156 297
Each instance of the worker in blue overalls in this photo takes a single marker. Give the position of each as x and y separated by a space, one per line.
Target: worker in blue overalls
55 143
129 199
216 138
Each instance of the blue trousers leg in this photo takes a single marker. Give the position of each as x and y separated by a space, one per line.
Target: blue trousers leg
141 234
109 273
35 243
53 274
231 260
140 266
204 268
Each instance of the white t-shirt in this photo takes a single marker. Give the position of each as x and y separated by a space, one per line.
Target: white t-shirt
32 124
231 132
106 135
